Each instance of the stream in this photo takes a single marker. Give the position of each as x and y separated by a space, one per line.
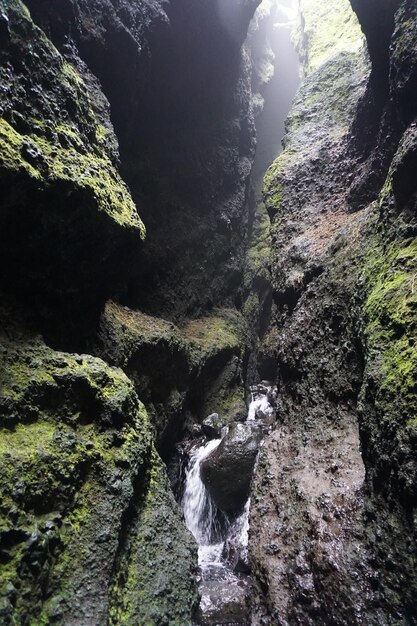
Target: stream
222 537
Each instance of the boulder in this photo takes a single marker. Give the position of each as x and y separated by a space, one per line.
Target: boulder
212 426
80 478
223 603
227 471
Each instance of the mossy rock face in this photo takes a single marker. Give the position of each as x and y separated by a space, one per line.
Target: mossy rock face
156 583
191 180
154 354
74 441
178 372
390 101
217 345
58 174
388 402
321 37
304 175
390 376
76 463
343 337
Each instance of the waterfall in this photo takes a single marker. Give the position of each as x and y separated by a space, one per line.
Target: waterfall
210 527
260 405
222 540
199 510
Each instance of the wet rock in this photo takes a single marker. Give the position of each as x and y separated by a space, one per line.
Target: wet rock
334 272
180 374
227 471
223 603
236 555
212 426
77 462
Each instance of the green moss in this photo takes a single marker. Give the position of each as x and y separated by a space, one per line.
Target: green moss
390 308
131 330
251 309
258 255
10 151
59 138
224 330
272 186
231 403
74 440
89 171
329 32
160 551
16 4
136 328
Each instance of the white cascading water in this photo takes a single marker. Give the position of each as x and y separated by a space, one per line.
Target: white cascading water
222 540
201 514
199 510
260 404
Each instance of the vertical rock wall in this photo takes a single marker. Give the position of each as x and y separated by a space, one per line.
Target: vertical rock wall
333 537
89 530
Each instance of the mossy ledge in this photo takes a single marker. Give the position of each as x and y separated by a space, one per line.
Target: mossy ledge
76 461
181 373
59 180
56 136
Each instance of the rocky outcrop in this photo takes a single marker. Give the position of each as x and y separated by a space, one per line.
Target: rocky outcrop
333 538
179 85
212 426
227 471
182 374
59 182
90 532
79 475
388 105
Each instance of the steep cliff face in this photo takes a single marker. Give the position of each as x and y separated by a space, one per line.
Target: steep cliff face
333 536
90 532
82 491
59 180
106 106
178 82
388 104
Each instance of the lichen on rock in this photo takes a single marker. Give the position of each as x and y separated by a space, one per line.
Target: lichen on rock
59 181
181 373
75 456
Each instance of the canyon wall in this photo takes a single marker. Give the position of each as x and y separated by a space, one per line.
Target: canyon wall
111 110
138 294
333 516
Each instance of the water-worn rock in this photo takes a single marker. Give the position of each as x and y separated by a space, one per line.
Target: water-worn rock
223 603
332 537
212 426
236 555
227 471
76 460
